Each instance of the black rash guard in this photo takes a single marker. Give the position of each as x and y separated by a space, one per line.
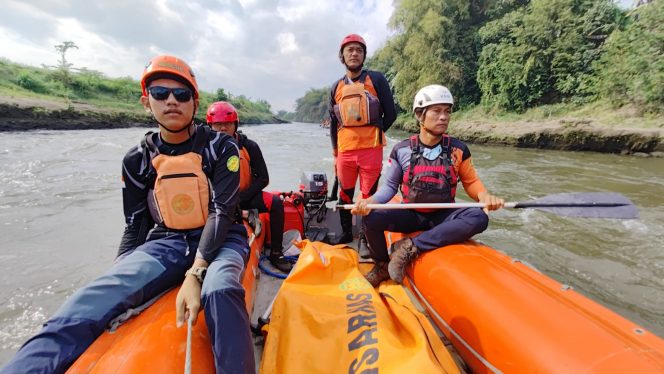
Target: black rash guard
224 187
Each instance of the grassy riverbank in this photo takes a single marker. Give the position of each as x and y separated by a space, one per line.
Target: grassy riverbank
590 127
43 98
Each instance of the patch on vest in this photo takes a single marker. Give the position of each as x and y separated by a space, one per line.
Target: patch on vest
233 163
182 204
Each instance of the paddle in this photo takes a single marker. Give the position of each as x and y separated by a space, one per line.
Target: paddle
576 204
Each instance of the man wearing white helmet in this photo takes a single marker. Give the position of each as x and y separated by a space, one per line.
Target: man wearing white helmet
427 167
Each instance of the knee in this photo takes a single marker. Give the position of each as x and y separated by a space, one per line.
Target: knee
224 273
373 221
478 219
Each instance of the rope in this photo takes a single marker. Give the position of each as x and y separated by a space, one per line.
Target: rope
187 359
269 272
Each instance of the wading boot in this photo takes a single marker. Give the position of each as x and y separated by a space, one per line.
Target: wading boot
279 262
363 247
347 228
377 274
403 252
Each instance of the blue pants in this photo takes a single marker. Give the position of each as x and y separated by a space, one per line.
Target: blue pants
441 227
136 278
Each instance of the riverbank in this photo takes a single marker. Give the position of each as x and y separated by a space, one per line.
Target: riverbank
25 113
571 135
595 128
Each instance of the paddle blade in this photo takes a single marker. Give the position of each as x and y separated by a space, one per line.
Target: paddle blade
585 204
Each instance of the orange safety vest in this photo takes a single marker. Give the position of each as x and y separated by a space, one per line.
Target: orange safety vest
180 196
245 169
359 113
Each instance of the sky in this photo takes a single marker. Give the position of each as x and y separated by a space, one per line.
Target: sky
264 49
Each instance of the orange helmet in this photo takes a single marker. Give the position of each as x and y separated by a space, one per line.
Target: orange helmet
169 66
352 38
221 111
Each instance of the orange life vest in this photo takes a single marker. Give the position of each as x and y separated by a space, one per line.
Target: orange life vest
357 102
245 169
353 100
180 196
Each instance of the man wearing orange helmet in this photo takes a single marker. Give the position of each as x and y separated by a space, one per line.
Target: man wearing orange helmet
180 205
361 110
222 117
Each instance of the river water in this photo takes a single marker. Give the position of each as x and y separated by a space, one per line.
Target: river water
61 217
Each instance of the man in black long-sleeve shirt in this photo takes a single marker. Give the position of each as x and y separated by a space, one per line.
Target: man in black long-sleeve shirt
361 111
223 117
180 195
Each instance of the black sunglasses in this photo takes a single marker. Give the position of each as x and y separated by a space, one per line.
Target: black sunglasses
161 93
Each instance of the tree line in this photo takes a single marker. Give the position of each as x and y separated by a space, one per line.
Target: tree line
513 55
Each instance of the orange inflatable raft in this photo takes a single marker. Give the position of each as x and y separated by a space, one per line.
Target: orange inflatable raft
150 342
504 316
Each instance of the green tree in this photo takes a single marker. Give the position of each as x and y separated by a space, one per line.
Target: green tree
221 95
631 71
312 107
543 53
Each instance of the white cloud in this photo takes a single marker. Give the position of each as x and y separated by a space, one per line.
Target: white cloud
264 49
286 42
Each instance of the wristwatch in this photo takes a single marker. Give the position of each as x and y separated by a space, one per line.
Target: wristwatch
197 271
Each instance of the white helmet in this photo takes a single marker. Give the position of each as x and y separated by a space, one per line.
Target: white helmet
432 94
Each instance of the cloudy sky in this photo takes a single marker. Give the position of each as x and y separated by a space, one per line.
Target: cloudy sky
265 49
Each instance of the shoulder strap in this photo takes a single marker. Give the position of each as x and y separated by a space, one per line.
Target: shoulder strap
202 138
446 156
414 155
148 143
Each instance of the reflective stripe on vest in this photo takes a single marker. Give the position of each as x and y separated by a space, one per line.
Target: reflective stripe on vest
180 196
429 181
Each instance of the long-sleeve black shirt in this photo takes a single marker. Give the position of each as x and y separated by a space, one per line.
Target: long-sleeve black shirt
224 194
259 175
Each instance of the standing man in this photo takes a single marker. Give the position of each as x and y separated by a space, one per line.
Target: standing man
428 168
361 111
222 117
180 200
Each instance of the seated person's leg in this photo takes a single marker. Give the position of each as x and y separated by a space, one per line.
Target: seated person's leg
456 227
451 227
143 274
375 224
276 208
226 314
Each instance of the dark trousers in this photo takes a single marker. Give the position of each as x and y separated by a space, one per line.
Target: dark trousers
136 278
440 228
267 202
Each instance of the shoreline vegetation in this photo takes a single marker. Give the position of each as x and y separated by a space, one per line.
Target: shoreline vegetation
629 135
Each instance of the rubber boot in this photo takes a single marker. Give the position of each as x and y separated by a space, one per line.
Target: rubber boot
346 226
363 247
377 274
403 253
279 262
